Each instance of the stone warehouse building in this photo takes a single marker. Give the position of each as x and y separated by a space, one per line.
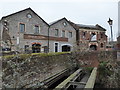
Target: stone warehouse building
90 37
26 31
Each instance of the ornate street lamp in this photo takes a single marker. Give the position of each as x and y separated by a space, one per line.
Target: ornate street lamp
111 23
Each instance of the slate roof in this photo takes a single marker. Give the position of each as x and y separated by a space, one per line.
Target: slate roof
54 22
22 11
58 21
81 26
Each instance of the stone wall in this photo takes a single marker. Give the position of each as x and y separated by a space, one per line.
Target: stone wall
27 70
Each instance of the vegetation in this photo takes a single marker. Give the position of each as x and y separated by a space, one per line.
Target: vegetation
25 56
88 69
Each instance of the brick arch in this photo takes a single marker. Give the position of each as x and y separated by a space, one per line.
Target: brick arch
93 47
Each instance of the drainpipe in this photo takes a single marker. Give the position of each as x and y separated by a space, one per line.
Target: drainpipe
48 38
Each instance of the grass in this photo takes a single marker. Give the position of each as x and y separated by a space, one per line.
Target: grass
24 56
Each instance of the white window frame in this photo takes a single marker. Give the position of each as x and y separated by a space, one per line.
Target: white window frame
58 46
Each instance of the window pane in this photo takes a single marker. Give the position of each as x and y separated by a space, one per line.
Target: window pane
70 34
36 29
56 32
22 27
63 33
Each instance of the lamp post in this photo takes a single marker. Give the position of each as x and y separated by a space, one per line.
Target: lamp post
110 23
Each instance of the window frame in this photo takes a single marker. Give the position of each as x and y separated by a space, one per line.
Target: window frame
56 32
70 35
20 27
35 30
63 33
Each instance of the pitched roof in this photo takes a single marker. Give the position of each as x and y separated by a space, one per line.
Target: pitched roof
81 26
54 22
22 11
57 21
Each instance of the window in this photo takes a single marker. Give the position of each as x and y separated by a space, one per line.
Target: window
101 35
29 15
22 27
36 29
26 48
101 45
56 32
65 24
63 33
70 34
84 34
93 37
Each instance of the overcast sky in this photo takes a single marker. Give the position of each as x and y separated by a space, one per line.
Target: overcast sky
88 12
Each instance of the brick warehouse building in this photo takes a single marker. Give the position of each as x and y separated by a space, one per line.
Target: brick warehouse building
27 31
90 37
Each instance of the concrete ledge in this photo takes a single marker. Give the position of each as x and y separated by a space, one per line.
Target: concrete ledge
66 81
91 81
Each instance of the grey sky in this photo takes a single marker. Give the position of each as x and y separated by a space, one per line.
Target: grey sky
89 12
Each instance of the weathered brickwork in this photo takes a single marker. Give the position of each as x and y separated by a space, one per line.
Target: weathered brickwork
91 37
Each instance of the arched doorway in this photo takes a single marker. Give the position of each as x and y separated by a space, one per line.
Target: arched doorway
36 47
93 47
66 48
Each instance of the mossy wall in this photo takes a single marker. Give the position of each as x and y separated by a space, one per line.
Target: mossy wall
26 70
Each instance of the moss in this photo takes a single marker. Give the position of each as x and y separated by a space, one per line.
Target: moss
25 56
88 69
8 56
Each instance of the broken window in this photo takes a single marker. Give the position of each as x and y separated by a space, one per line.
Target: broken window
93 37
101 45
84 34
101 35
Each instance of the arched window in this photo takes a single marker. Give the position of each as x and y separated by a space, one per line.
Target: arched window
93 47
66 48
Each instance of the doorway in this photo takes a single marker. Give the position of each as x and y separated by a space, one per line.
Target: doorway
93 47
36 48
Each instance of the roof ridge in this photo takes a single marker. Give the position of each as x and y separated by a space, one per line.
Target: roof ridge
25 10
17 12
51 23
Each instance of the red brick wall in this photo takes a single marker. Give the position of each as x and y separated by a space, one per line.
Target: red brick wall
92 59
99 39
